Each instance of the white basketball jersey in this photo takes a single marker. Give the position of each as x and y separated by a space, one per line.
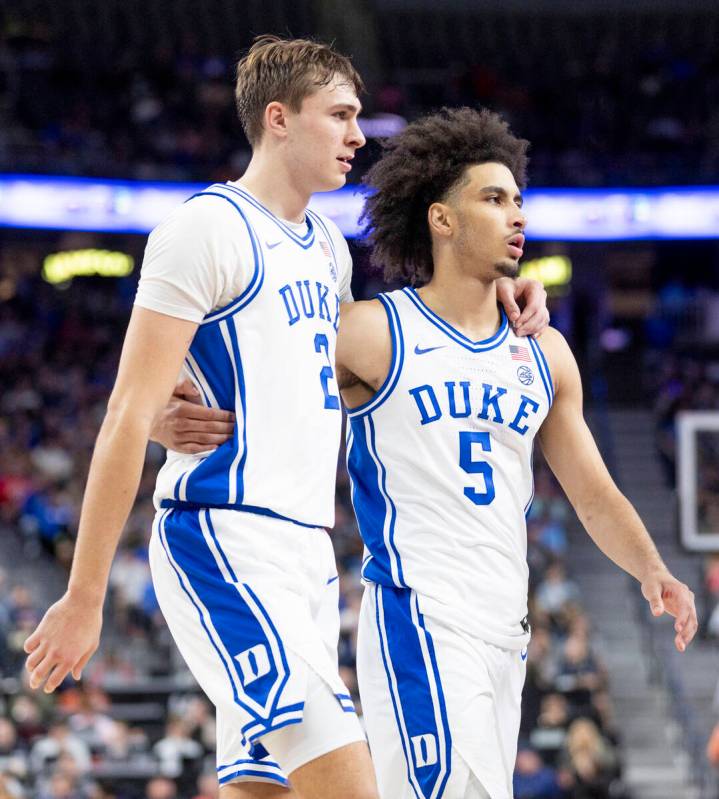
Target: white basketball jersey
269 357
441 466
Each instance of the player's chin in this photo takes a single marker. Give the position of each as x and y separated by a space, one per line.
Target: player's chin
507 267
334 181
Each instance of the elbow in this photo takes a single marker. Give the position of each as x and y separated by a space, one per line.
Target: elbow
127 417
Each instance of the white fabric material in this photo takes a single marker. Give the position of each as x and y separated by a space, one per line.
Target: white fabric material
200 258
466 558
324 728
224 247
290 573
482 687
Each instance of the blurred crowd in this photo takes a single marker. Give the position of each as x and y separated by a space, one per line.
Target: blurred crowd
137 728
627 101
692 384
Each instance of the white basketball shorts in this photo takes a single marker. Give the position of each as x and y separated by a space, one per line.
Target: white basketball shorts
441 708
252 603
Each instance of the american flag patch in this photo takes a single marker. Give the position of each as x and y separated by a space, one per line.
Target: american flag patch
325 247
519 353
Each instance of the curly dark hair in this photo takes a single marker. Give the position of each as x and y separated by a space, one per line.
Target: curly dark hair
420 166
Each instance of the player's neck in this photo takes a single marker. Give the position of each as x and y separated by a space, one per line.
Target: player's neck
273 185
467 303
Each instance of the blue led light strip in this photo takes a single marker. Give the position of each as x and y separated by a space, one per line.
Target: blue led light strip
115 206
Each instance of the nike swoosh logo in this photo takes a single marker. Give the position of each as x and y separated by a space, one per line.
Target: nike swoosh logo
523 654
420 351
272 246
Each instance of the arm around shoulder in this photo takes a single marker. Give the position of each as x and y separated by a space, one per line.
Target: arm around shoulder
364 347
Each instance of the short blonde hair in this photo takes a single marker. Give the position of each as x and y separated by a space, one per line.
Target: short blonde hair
286 71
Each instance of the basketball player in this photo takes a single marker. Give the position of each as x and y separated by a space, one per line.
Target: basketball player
242 285
445 401
241 289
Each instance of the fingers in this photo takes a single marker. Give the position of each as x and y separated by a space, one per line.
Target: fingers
686 624
186 388
57 675
194 427
190 410
532 323
505 294
35 657
31 642
50 668
80 665
653 594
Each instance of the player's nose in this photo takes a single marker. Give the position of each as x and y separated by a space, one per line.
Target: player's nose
355 137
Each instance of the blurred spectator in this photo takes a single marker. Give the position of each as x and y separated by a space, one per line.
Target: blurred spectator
176 752
556 590
160 788
590 761
13 756
549 735
534 780
58 741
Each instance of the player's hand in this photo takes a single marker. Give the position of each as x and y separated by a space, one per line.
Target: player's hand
665 594
63 642
533 317
185 425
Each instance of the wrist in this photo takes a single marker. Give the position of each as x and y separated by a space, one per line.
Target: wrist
90 596
654 571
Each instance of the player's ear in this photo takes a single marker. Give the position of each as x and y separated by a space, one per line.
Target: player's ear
275 119
439 219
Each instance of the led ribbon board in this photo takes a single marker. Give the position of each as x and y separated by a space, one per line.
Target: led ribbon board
113 206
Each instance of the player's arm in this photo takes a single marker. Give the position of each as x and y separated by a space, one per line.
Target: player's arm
525 303
154 348
364 351
605 512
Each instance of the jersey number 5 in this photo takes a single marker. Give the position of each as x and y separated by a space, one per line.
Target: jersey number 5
472 466
326 374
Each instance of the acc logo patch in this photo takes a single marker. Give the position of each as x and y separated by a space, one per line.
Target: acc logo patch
525 375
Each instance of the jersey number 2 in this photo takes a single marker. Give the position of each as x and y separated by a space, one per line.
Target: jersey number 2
326 374
472 466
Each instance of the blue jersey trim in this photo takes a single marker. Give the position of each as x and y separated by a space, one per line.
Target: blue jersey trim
453 333
180 505
213 535
318 219
540 352
541 366
249 772
182 578
234 619
411 682
376 512
258 274
392 507
255 761
395 368
305 242
240 471
383 650
197 383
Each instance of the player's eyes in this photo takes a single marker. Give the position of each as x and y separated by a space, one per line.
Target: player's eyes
340 114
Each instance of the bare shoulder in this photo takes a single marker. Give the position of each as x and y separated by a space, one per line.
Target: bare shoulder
364 343
362 311
560 359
